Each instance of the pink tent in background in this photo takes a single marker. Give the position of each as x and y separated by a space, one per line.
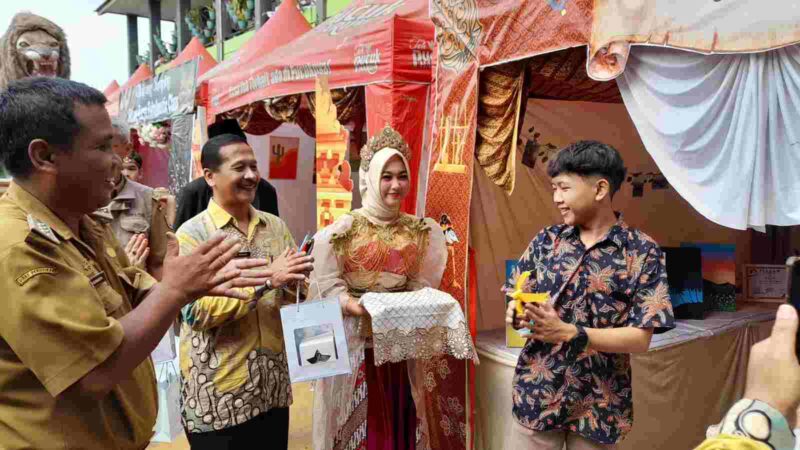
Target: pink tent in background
205 63
112 95
112 91
284 26
195 49
111 88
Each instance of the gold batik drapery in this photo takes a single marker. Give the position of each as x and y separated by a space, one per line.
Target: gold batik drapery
349 103
283 109
253 119
262 118
500 94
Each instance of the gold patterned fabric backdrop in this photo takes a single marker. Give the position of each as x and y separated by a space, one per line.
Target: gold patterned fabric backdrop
349 103
501 92
562 75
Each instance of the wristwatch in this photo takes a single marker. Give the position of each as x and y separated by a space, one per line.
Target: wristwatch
581 340
263 289
578 344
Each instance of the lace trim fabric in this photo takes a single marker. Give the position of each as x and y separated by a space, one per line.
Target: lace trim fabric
421 343
417 325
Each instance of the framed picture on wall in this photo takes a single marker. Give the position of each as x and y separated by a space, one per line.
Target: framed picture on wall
766 283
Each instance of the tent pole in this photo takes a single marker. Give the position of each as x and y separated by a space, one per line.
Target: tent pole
322 13
133 44
181 30
155 30
261 12
220 30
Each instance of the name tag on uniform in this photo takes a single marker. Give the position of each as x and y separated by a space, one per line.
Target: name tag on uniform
97 278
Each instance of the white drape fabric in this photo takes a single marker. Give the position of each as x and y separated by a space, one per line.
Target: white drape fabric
724 129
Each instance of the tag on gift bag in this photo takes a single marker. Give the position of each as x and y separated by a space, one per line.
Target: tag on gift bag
168 422
316 345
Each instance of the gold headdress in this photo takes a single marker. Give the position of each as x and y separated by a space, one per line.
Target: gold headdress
387 138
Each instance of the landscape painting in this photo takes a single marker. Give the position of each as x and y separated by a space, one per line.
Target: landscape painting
719 275
685 279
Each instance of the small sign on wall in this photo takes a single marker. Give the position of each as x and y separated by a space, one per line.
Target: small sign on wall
283 154
766 283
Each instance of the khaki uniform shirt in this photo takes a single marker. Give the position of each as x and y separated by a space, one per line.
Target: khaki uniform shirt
137 209
232 355
63 296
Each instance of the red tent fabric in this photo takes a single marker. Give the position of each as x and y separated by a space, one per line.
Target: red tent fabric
111 88
283 27
195 49
141 74
385 45
369 42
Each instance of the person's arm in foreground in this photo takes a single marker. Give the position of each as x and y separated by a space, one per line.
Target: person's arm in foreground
210 269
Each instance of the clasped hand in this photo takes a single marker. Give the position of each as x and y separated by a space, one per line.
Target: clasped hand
543 321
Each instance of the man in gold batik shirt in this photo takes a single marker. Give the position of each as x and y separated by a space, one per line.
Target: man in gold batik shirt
78 324
236 387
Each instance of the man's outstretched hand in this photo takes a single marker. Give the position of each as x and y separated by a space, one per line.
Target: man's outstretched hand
211 270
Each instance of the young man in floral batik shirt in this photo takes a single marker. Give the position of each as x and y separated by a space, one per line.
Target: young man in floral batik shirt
607 286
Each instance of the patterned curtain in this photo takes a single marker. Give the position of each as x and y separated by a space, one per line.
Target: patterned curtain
283 109
253 119
306 121
499 97
349 103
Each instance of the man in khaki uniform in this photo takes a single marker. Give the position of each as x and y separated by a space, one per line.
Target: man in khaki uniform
137 209
74 366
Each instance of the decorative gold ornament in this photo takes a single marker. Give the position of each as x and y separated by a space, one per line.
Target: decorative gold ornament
387 138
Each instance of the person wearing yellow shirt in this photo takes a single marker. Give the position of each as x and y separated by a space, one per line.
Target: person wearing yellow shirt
78 322
236 387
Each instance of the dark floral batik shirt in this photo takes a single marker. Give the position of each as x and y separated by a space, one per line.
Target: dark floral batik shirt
620 282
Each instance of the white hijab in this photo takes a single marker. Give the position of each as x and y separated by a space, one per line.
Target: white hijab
373 206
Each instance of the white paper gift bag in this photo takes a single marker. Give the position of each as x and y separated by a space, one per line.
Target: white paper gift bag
316 346
168 423
165 350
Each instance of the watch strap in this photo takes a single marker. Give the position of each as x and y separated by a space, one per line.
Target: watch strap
578 344
758 421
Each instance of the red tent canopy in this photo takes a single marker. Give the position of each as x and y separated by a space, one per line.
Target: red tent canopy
111 88
206 63
385 45
141 74
283 27
195 49
369 42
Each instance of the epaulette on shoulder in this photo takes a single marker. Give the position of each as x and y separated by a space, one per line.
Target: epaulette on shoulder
37 226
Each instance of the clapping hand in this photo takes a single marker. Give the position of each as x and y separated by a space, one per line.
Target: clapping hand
138 250
211 270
